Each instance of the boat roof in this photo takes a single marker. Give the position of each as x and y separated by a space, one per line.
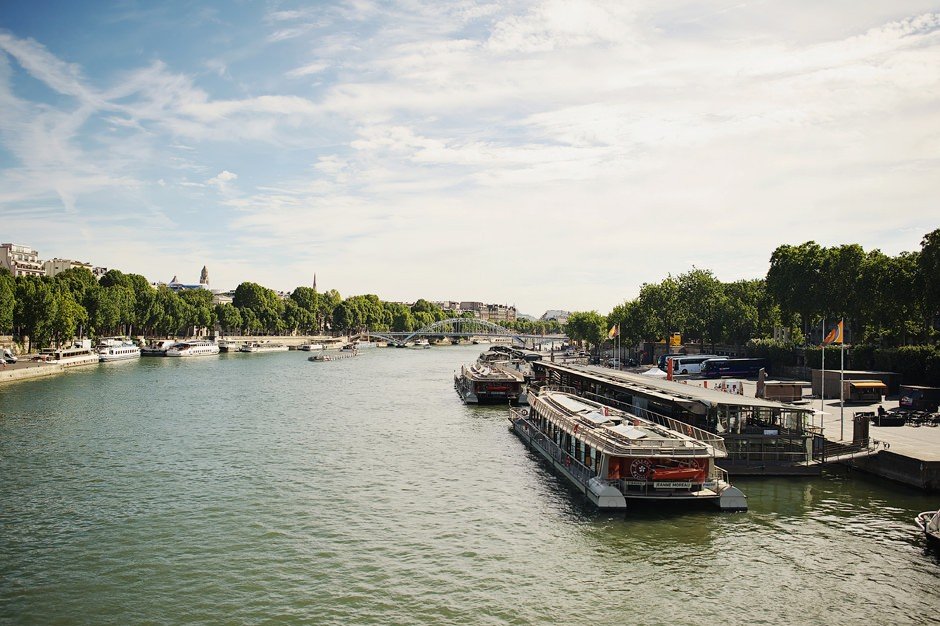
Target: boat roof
621 432
492 372
673 391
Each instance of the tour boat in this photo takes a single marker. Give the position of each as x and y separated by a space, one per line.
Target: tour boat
613 456
359 344
79 353
311 347
263 347
490 384
157 348
193 348
335 356
421 344
929 522
117 349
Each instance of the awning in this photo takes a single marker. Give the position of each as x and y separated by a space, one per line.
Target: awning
868 384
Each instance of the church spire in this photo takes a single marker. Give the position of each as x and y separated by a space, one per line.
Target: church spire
314 281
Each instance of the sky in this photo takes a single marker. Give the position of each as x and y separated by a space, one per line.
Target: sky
547 155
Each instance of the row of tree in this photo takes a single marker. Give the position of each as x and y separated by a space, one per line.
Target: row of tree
885 300
73 303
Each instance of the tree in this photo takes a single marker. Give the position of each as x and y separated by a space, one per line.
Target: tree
929 264
797 282
199 309
36 307
69 315
229 318
267 308
587 326
7 300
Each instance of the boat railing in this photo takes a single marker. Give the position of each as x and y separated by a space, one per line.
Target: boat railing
598 438
715 441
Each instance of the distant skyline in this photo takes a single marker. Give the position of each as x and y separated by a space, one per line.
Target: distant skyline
547 155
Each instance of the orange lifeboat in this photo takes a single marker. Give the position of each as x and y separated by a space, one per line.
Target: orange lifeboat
677 473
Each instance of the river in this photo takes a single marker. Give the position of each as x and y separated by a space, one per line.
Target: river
263 488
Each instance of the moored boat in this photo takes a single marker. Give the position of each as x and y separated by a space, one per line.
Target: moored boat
311 347
117 349
79 353
157 348
334 356
193 348
263 347
929 522
613 456
490 384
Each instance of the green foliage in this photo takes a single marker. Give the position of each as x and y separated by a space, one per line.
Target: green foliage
7 300
587 326
777 353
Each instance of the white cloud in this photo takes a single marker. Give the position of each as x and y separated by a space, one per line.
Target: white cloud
594 132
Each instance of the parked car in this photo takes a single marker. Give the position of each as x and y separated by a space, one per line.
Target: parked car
8 357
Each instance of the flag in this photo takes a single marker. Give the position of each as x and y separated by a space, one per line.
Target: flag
834 336
614 331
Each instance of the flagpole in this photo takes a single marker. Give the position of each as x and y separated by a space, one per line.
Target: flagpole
822 381
842 379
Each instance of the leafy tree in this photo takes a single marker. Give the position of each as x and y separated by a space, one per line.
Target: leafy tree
929 264
797 282
69 315
229 318
267 308
199 308
587 326
36 307
7 300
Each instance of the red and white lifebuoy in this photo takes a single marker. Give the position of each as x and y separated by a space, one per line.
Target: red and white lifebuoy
576 428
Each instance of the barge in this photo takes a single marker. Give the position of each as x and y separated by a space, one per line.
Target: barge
490 384
613 456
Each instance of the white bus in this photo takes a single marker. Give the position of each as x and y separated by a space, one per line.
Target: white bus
692 364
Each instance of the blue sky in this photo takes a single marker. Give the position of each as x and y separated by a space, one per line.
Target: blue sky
543 154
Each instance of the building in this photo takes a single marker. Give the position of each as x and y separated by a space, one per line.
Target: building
498 313
556 315
20 260
57 266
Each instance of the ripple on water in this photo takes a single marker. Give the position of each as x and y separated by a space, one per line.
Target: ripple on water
262 488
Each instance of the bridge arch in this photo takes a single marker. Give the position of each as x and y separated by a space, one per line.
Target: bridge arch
465 327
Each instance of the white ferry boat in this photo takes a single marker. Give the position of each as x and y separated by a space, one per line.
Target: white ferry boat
613 456
117 349
311 347
421 344
359 344
79 353
193 348
263 347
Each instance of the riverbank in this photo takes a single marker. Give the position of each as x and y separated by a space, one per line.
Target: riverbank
27 370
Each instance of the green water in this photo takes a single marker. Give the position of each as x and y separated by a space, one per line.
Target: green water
255 489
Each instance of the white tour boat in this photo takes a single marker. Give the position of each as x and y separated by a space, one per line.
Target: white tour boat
193 348
117 349
613 456
263 347
311 347
490 384
79 353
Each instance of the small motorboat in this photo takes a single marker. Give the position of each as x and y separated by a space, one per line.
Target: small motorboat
929 522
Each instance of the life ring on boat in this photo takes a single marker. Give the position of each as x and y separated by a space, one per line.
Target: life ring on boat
567 461
576 428
524 412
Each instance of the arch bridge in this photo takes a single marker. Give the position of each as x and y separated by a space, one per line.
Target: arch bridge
459 328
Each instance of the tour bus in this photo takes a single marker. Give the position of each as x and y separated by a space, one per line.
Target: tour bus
692 364
693 360
738 368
